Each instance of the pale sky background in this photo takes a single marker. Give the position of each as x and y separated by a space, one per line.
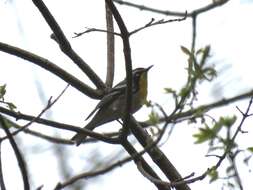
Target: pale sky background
227 29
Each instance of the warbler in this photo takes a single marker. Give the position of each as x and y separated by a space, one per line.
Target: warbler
112 106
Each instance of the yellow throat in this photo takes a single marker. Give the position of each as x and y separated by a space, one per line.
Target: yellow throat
143 84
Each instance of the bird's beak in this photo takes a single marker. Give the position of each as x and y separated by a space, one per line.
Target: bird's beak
147 69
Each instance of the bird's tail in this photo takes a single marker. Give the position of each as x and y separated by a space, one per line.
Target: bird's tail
80 137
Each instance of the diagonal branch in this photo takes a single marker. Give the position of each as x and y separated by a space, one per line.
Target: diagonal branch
51 67
134 156
50 103
20 159
157 155
65 45
131 150
137 157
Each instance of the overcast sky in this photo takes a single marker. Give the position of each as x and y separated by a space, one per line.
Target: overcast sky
227 29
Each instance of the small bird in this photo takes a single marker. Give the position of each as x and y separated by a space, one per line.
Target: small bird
111 107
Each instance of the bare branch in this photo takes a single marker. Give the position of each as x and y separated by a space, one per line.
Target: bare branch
38 134
110 48
128 65
157 155
58 125
2 184
48 106
194 33
20 159
131 150
179 117
65 45
206 8
77 34
162 21
51 67
134 156
150 178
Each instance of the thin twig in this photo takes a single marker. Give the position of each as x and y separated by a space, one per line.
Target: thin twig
150 178
203 9
2 184
161 21
77 34
134 156
226 152
39 135
235 169
20 159
194 33
205 108
48 106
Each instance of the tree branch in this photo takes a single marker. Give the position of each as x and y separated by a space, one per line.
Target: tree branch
161 21
110 48
58 125
2 184
206 8
128 65
131 150
157 155
51 67
21 161
207 107
65 45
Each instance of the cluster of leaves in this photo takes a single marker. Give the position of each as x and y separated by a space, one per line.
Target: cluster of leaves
198 71
218 134
212 133
220 139
10 105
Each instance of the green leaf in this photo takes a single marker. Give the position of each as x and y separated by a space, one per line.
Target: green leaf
204 134
209 133
199 112
209 73
153 118
186 50
2 91
213 174
228 121
7 123
250 149
198 72
169 91
11 106
184 91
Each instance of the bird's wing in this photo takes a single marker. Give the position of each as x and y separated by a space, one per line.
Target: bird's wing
106 100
